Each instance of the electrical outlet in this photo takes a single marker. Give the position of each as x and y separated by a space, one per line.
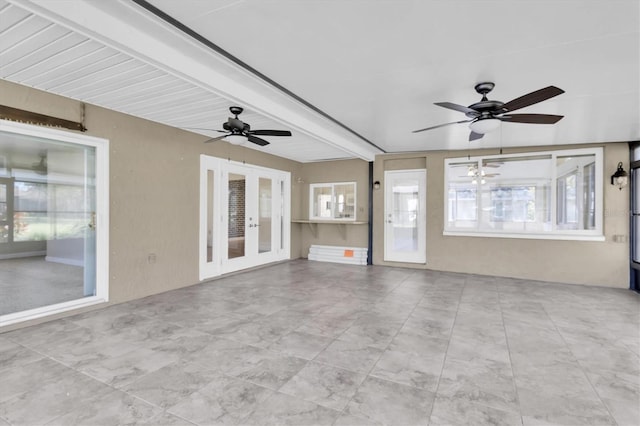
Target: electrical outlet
151 258
620 238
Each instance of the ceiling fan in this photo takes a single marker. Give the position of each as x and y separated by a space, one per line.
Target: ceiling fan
41 166
486 115
237 131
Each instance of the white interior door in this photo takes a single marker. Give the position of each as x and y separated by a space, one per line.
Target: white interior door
405 216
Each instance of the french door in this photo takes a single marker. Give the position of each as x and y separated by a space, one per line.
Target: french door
405 237
244 216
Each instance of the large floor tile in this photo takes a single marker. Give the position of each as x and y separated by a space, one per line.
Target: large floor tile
301 345
325 385
52 397
384 402
281 409
172 383
354 356
223 401
115 408
459 411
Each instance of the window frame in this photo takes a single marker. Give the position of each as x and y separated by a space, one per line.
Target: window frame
334 202
555 232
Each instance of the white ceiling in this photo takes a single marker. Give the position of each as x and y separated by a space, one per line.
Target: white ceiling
375 66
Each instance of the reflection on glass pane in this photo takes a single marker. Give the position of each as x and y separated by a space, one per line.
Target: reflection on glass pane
514 194
3 202
344 196
4 233
264 203
322 202
236 234
209 190
405 215
575 192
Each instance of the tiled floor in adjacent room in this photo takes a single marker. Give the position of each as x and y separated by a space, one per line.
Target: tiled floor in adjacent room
314 343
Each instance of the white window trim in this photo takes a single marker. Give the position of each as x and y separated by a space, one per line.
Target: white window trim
596 234
312 215
102 219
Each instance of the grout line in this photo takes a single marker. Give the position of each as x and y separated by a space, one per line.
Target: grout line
582 369
367 374
513 373
444 361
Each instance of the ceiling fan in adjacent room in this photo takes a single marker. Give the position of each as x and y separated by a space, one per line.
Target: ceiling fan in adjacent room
238 132
486 115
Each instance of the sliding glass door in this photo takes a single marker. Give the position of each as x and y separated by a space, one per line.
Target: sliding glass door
52 193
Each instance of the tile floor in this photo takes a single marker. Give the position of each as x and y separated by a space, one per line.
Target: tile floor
312 343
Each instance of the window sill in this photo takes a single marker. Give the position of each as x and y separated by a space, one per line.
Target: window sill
564 237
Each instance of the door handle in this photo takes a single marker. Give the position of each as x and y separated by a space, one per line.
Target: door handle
92 223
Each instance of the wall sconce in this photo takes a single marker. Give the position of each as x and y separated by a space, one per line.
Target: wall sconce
376 184
620 177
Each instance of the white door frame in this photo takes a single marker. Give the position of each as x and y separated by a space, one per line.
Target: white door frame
101 218
280 223
420 255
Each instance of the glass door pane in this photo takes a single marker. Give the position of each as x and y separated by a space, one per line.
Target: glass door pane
6 187
47 222
405 216
265 207
635 213
210 235
236 215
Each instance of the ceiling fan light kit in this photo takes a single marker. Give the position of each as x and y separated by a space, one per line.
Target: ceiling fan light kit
484 125
486 115
236 139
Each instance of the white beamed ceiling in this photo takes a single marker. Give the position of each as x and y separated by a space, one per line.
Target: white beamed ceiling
43 50
375 66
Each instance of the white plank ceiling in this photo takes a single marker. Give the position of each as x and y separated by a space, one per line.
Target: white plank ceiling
37 52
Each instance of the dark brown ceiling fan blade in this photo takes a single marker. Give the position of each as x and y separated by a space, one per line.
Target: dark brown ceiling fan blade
217 138
533 98
457 107
257 140
473 136
442 125
531 118
270 132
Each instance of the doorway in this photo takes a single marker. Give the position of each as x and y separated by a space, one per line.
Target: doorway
245 216
405 199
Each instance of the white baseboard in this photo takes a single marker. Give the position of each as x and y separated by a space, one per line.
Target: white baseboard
72 262
22 254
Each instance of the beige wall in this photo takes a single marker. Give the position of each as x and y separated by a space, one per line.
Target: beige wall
332 234
154 191
154 199
580 262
